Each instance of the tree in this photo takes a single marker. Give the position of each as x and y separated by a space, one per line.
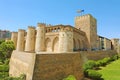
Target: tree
6 49
1 41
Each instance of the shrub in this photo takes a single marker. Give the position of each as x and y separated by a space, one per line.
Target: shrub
21 77
4 68
115 57
6 49
107 60
6 62
94 74
89 65
1 41
98 63
103 62
70 77
4 74
1 63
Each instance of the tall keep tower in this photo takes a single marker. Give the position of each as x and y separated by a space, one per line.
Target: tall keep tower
88 24
40 38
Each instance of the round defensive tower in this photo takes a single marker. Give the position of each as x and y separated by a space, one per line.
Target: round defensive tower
66 40
21 40
14 38
40 37
30 39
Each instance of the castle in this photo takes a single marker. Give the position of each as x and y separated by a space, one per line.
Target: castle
63 38
54 52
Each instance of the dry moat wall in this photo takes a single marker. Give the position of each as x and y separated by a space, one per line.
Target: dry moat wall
51 66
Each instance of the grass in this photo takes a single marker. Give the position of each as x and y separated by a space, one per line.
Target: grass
111 71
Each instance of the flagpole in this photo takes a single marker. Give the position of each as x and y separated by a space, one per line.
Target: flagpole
80 12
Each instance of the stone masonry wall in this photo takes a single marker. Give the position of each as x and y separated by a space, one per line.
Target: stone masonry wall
57 66
52 66
22 63
97 55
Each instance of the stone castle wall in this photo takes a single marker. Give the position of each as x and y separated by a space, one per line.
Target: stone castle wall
81 41
97 55
51 66
57 66
46 66
22 63
51 42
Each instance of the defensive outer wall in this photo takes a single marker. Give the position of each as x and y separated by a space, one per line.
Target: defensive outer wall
50 66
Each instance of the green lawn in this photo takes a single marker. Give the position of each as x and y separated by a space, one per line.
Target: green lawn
111 71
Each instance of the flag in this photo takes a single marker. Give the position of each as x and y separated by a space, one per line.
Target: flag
79 11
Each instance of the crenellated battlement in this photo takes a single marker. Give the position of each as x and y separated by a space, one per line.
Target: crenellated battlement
41 24
14 32
21 30
66 28
49 25
87 16
58 28
31 27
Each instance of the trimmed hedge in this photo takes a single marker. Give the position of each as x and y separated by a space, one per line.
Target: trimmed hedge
94 74
70 77
103 62
115 57
89 65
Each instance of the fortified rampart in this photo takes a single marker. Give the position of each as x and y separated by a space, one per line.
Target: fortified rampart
50 66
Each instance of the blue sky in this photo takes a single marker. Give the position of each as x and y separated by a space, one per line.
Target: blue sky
16 14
